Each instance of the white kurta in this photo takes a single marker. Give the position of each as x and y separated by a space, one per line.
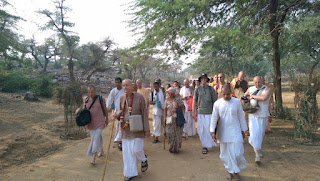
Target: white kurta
258 120
203 128
115 95
133 155
189 127
96 142
230 119
158 113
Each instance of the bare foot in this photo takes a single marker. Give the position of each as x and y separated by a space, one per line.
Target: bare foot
93 161
100 154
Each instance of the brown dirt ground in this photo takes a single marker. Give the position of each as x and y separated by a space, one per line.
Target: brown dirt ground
31 149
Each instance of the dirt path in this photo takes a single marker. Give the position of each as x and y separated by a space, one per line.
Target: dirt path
284 159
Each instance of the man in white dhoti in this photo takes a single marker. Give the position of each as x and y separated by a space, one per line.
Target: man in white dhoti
189 127
158 102
113 102
204 97
132 103
228 118
258 120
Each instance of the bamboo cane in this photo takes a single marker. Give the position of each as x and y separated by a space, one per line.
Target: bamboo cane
105 163
164 135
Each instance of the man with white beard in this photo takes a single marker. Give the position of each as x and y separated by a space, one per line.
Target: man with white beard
189 127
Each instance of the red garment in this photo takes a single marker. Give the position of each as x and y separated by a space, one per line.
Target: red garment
190 102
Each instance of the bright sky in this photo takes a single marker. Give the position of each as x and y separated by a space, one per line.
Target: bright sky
94 19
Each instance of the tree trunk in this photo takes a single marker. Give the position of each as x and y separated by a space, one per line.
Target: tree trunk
274 29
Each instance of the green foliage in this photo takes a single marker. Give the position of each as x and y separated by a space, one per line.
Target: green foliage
43 86
12 81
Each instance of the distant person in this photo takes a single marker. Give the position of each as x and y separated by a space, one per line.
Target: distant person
113 102
258 120
239 85
173 132
204 98
232 124
197 83
185 95
168 86
133 103
176 86
218 86
99 119
215 81
158 102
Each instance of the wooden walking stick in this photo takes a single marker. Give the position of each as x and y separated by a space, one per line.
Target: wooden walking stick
164 135
105 163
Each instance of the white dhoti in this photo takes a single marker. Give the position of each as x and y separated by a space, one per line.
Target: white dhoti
157 125
203 128
96 142
117 134
133 155
231 154
189 126
257 127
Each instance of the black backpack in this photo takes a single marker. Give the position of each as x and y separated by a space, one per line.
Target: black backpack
84 117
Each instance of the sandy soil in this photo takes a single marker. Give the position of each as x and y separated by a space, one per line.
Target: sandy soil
31 149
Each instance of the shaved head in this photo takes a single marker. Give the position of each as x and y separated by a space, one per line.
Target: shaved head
139 83
127 86
221 78
186 82
226 92
241 76
257 82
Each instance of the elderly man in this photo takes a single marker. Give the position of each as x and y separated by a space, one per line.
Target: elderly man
132 103
239 85
258 120
142 90
189 127
113 102
99 119
204 97
231 127
221 82
158 102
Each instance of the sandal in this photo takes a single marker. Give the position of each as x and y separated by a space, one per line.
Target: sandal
128 179
155 141
144 165
204 151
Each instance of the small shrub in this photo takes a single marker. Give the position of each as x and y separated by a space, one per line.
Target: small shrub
43 87
14 81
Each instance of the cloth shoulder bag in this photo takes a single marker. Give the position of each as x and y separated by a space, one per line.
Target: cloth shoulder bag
247 106
169 119
180 117
135 121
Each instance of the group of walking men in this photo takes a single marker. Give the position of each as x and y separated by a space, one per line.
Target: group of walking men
215 105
